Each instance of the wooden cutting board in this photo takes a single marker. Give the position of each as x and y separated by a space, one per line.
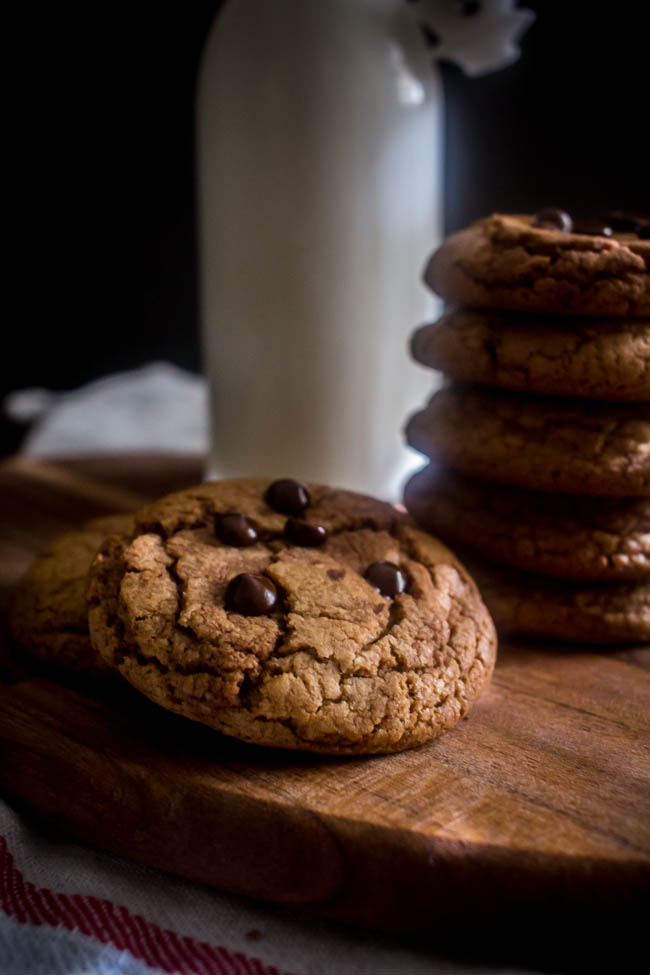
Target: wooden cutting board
531 819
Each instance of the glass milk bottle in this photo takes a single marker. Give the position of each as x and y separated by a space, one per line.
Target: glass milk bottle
319 201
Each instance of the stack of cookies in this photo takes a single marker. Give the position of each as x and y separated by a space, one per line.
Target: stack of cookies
539 445
281 613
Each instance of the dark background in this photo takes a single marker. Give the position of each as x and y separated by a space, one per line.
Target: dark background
103 105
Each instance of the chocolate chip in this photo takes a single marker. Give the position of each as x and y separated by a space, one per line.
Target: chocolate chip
336 574
251 594
594 228
301 532
386 577
289 497
550 218
235 529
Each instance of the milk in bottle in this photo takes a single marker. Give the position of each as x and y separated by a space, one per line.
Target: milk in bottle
319 127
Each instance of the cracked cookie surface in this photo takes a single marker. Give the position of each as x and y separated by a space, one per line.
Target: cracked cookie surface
504 262
334 666
563 535
588 357
540 443
48 615
528 605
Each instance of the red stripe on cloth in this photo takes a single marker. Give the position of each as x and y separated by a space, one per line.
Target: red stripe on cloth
139 945
211 964
113 924
103 911
88 920
147 937
48 908
180 951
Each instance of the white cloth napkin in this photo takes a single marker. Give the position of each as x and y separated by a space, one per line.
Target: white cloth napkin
158 407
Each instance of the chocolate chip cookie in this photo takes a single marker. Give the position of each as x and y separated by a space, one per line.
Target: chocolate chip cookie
585 357
524 263
540 443
292 615
561 535
49 613
528 605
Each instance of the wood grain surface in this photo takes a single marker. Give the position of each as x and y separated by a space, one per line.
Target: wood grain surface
525 826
